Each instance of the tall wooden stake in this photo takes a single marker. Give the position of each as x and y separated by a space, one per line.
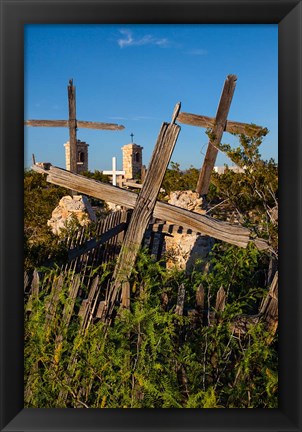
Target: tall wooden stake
72 127
217 131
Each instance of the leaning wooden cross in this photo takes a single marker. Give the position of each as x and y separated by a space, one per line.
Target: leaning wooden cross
145 205
73 124
217 125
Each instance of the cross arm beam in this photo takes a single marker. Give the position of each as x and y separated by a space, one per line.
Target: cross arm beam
79 124
47 123
209 123
99 125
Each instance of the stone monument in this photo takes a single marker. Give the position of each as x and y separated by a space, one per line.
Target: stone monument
132 160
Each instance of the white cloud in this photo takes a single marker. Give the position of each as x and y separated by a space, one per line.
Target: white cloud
129 40
197 52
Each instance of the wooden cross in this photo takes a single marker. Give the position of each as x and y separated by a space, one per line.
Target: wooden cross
73 124
114 172
218 125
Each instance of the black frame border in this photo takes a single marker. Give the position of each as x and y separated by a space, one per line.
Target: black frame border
14 14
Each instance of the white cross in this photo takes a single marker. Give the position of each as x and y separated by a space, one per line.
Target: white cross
114 172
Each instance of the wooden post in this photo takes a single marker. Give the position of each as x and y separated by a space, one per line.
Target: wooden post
72 127
217 131
143 211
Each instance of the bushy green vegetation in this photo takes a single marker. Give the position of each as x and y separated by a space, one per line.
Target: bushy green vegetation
152 357
176 179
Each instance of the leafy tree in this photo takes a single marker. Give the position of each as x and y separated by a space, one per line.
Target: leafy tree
250 197
175 179
96 175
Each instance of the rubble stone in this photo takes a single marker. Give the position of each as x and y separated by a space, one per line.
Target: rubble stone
187 200
68 207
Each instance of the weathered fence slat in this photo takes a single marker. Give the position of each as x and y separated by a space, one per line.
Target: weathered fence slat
217 132
69 305
179 310
35 284
220 300
200 298
87 305
269 306
52 304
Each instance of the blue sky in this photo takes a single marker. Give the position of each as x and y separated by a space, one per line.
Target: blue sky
135 74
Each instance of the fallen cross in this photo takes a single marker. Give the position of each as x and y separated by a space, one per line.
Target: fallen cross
233 234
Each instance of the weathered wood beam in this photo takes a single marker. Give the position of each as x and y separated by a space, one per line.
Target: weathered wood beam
217 131
47 123
143 211
99 125
220 230
72 127
79 124
209 123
